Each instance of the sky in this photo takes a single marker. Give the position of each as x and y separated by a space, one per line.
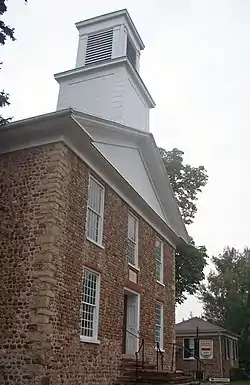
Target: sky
196 66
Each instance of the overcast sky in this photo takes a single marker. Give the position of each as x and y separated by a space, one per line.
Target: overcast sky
196 65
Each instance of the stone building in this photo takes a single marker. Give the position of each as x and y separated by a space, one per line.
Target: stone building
216 348
89 223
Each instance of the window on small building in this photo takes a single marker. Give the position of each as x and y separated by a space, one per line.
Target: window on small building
236 350
95 211
159 325
132 241
191 348
89 316
159 260
131 52
226 348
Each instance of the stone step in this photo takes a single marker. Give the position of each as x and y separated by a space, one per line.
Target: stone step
143 381
154 376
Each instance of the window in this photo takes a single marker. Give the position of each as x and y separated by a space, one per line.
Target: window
159 260
131 52
159 324
95 211
90 306
191 348
236 350
132 246
226 348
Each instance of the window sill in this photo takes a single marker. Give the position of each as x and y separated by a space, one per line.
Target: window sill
190 358
95 243
89 341
133 267
160 283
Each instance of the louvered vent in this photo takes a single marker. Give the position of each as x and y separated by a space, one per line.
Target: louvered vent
99 47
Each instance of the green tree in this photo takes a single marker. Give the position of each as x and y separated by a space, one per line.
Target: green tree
190 262
187 182
5 33
226 297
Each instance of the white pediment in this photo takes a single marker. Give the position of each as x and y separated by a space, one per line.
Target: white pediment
135 156
129 163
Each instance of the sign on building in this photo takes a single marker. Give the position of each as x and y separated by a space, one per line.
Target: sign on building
206 349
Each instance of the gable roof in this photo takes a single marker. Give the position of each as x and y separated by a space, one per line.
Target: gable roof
84 134
135 155
191 325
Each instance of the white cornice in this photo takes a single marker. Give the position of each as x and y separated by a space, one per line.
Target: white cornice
84 70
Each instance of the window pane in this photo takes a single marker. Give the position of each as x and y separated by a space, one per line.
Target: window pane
158 335
131 248
159 260
158 324
89 290
93 225
131 227
89 302
95 196
158 271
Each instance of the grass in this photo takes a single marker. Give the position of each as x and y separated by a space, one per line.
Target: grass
245 382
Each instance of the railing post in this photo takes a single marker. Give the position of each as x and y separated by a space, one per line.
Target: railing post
172 362
143 352
136 364
157 357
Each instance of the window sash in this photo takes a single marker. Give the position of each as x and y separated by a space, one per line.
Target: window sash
89 313
132 240
95 208
159 260
159 324
189 345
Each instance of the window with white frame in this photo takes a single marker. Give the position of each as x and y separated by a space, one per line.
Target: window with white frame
95 211
191 348
159 260
226 348
89 316
132 242
159 324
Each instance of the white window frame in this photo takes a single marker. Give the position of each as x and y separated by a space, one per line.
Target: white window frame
94 338
135 264
101 214
161 261
161 325
184 351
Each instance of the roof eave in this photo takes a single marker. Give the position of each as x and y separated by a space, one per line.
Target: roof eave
35 128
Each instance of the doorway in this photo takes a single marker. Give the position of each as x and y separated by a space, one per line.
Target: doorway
131 319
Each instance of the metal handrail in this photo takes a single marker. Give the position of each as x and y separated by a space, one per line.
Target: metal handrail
158 352
194 356
141 349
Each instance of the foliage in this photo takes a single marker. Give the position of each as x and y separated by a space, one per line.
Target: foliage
189 265
186 181
5 33
226 297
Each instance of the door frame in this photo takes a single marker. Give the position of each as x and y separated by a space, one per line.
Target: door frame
138 303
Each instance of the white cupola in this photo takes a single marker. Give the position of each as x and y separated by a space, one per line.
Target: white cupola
105 81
